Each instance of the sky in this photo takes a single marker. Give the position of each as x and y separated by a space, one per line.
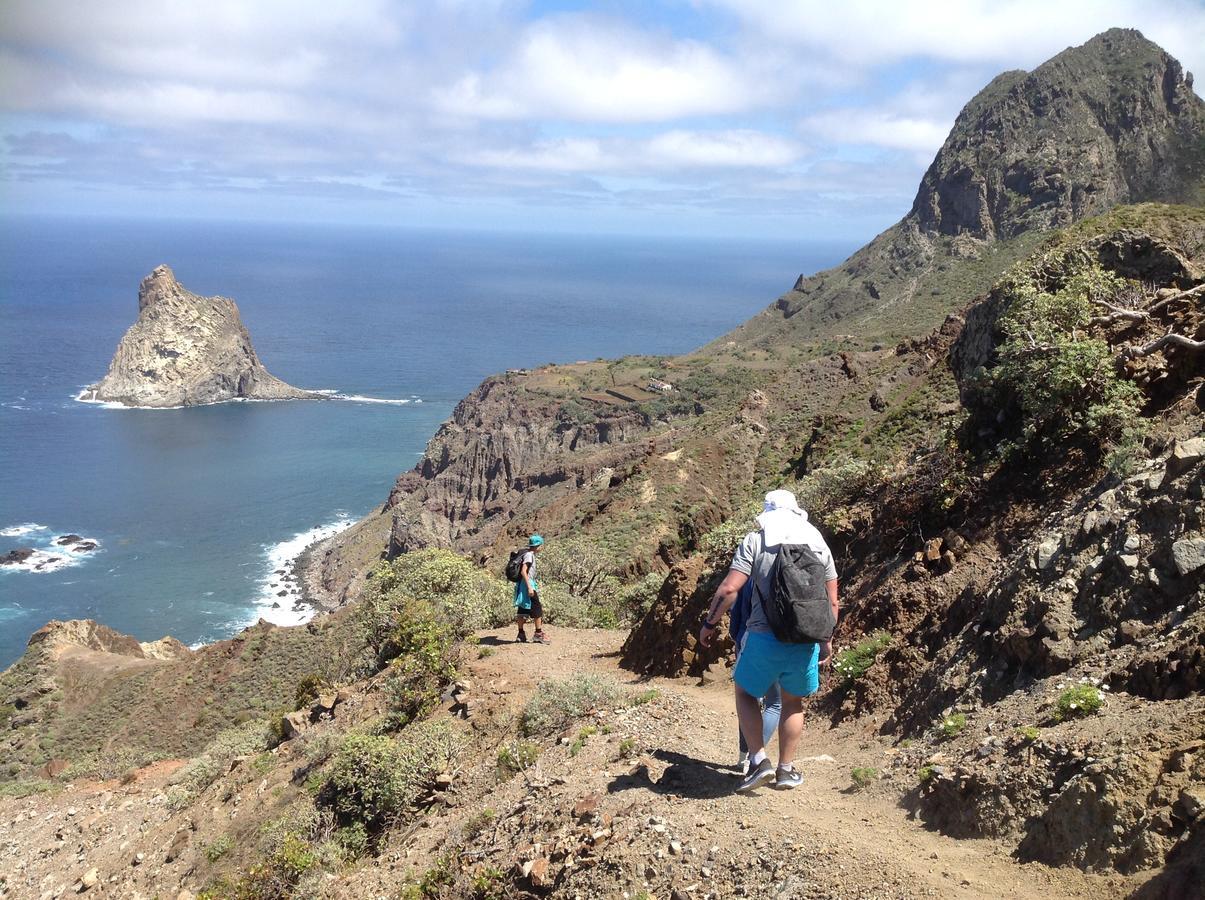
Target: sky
735 118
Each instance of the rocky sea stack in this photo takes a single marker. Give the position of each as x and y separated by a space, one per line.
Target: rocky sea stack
186 350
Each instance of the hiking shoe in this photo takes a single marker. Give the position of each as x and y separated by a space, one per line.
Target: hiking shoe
540 638
758 775
522 638
787 777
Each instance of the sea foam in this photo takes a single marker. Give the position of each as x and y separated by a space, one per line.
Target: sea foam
282 558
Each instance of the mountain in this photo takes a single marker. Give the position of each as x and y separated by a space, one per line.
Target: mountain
186 350
559 449
1110 122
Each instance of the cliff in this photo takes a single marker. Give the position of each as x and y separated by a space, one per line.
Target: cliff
186 350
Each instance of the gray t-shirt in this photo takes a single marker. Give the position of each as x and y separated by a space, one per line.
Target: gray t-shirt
757 561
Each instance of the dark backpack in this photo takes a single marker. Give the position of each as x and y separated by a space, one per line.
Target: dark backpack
514 565
797 610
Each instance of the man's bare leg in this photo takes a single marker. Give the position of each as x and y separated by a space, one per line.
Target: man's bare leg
790 728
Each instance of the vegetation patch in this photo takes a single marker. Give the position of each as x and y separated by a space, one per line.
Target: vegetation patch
855 662
557 703
952 725
1079 702
863 777
517 756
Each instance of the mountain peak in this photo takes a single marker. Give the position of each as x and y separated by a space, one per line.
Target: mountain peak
1114 120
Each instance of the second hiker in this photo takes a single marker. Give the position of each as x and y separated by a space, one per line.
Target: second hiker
527 594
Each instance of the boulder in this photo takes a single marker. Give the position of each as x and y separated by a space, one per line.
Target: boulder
1189 554
294 724
1184 455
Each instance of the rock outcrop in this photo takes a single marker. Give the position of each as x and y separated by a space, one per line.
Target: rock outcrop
1113 121
186 350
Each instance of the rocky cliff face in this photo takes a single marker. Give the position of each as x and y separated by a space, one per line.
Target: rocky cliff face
1113 121
186 350
1110 122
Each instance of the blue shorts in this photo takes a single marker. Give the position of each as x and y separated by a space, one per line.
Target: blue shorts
764 659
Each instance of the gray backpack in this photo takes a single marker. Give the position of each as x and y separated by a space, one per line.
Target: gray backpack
797 609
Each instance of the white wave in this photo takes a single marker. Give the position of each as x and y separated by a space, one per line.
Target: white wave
22 530
331 393
357 398
41 562
51 556
289 609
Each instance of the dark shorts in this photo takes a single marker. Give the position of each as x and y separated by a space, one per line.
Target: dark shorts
535 611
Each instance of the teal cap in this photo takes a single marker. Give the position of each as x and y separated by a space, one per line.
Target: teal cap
535 541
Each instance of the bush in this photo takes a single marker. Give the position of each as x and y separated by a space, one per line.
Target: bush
375 780
627 748
352 840
423 654
1029 732
557 703
863 777
517 756
951 726
308 689
647 696
855 662
219 848
461 596
1079 702
1053 385
201 771
926 774
637 598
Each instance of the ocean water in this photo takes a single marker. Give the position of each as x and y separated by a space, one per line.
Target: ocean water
194 511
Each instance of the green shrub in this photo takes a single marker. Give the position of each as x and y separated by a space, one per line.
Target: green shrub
925 774
375 780
558 702
352 840
1029 732
27 787
219 848
855 662
424 654
647 696
627 748
308 689
863 777
516 757
1079 702
488 884
201 771
951 726
580 741
1053 385
275 878
637 598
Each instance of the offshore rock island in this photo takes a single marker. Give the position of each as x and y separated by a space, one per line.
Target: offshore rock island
186 350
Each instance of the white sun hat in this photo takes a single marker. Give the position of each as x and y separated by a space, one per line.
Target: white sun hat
782 520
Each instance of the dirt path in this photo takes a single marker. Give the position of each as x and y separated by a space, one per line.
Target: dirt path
858 844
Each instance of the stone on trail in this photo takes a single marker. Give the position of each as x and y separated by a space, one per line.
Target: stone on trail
1189 554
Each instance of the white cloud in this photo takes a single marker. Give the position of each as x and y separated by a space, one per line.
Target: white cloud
667 153
879 127
584 69
869 33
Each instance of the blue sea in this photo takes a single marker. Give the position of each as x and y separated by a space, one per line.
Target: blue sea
194 512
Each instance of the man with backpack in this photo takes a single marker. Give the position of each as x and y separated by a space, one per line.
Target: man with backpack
791 620
521 569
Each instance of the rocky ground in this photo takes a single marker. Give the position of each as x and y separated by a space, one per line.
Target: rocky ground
644 807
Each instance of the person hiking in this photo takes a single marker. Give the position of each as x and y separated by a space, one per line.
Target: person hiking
771 703
527 594
764 658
